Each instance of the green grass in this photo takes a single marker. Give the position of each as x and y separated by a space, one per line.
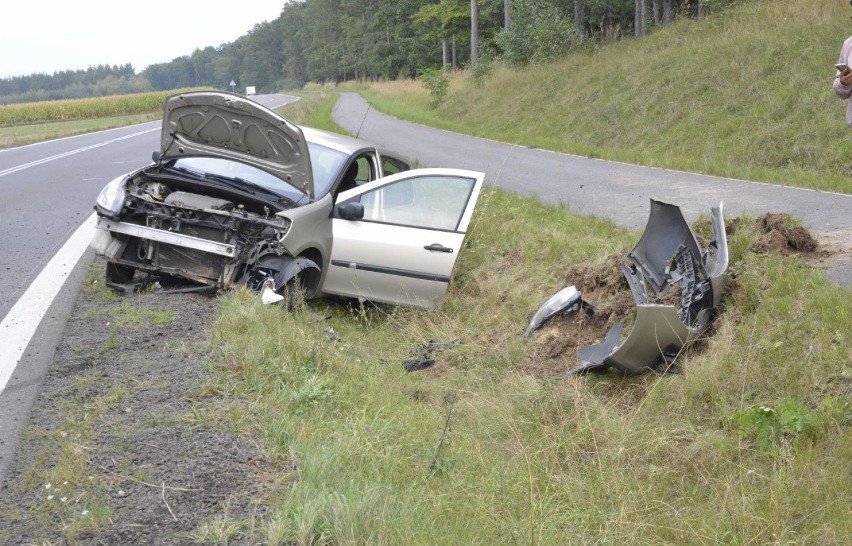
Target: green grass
316 103
312 109
744 94
89 108
481 450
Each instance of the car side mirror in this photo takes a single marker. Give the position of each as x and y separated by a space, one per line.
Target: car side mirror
156 156
351 211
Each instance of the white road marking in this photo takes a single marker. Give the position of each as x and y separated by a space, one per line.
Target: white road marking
20 324
43 160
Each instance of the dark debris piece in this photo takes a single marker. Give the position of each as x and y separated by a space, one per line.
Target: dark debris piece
424 356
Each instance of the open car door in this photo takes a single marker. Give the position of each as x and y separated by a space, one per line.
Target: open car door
396 239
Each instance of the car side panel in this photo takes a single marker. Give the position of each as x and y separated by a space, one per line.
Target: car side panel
390 263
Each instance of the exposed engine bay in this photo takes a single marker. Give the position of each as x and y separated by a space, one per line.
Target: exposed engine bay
216 238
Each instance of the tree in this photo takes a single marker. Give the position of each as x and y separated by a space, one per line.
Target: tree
641 16
540 32
445 20
580 17
474 31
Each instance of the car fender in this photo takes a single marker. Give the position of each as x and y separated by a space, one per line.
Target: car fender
284 269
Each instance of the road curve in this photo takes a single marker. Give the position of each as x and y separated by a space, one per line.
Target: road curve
607 189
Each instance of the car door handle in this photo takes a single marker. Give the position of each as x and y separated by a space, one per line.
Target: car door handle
438 247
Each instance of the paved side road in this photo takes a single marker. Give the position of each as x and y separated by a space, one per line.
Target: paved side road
608 189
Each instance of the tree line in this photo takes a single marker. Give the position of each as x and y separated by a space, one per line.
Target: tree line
95 81
338 40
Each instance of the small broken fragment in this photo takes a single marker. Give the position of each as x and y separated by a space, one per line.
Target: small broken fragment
566 301
268 295
416 364
424 357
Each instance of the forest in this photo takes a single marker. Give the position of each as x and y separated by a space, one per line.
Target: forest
325 41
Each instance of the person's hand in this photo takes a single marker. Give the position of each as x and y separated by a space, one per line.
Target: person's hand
846 78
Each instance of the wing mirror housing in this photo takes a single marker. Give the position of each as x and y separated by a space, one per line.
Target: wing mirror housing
351 211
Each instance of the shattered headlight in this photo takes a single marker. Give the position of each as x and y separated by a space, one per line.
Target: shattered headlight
111 198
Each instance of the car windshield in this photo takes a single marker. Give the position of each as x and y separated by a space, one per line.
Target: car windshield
325 164
236 170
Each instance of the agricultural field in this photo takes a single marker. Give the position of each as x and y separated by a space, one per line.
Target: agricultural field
34 122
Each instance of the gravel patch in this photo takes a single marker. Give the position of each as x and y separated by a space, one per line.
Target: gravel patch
115 452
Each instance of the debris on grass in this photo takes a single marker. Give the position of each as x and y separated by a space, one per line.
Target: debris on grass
676 287
424 357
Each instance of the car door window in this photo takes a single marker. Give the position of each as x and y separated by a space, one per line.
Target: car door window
393 165
365 170
432 202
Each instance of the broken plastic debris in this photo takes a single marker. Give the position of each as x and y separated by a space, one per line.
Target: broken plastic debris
568 300
424 357
666 256
268 295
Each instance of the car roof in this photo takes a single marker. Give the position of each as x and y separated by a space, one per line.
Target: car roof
335 141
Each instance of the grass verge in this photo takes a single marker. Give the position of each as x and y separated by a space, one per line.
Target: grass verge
494 445
20 135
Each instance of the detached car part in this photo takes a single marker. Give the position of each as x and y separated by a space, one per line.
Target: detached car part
666 258
566 301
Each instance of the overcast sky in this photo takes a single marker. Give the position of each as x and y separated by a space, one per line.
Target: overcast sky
51 35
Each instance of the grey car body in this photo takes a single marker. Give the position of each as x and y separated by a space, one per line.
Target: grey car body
238 195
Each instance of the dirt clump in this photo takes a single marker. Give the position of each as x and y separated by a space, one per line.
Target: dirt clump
780 235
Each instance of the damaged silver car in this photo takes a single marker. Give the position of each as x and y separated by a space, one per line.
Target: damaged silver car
667 261
239 195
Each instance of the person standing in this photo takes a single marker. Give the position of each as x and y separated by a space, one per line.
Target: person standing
843 79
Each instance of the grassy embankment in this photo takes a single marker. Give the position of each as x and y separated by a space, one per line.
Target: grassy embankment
34 122
745 94
494 445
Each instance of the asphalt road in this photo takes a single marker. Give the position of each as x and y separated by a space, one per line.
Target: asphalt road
47 191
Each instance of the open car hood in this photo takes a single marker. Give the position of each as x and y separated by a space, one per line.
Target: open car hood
223 125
